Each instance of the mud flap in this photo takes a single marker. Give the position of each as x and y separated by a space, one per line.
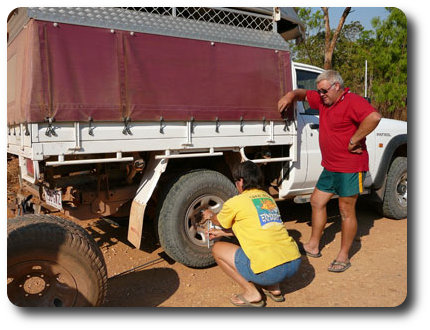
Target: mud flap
147 186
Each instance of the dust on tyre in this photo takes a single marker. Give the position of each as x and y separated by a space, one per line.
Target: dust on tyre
180 228
53 262
395 203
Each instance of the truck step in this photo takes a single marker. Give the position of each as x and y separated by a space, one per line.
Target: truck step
301 199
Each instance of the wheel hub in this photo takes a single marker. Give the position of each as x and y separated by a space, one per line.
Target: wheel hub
35 284
402 190
194 224
41 283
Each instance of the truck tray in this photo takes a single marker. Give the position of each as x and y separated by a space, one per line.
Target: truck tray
78 73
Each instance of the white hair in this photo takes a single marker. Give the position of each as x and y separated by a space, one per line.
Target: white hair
331 76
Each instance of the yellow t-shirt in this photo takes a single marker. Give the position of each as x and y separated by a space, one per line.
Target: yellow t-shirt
256 222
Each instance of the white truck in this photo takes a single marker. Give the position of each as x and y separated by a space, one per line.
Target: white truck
142 112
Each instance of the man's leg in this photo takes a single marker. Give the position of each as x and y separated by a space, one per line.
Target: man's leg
223 253
349 227
319 200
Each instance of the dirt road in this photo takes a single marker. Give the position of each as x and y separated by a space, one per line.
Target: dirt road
377 278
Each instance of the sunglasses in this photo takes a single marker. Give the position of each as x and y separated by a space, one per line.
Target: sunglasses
325 91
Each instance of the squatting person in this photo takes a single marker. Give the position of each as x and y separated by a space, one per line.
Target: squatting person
267 255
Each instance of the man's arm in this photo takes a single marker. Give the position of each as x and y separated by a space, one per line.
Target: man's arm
366 127
287 101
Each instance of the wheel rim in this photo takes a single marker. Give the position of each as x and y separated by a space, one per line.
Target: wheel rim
41 283
402 190
194 228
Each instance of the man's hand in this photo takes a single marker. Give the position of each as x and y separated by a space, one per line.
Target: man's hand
286 102
366 127
355 148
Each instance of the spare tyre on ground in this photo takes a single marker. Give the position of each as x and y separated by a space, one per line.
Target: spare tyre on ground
53 262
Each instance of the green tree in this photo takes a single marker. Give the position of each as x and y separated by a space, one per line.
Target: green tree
384 48
352 51
320 40
389 62
311 50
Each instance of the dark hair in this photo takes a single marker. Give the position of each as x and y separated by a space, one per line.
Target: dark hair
250 173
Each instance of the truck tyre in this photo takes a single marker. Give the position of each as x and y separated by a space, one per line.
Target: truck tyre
178 221
395 203
53 262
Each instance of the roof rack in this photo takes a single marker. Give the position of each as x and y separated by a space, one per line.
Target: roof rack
257 27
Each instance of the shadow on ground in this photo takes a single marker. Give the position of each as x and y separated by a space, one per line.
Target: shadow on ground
146 288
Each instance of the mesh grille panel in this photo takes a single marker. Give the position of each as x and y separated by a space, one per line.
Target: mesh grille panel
201 23
213 15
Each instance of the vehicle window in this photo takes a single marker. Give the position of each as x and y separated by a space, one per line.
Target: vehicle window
306 80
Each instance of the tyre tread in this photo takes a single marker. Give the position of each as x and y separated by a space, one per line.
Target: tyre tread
168 236
26 232
390 207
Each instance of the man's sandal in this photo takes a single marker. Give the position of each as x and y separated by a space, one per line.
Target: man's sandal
343 266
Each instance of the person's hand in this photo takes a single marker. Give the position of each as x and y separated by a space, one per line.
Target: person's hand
215 233
355 148
285 103
207 215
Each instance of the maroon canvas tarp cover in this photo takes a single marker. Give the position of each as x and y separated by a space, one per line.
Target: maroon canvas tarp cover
73 73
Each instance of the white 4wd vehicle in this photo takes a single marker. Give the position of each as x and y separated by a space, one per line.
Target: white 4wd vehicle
142 112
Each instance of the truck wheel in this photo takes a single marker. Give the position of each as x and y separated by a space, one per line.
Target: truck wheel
395 203
179 230
53 262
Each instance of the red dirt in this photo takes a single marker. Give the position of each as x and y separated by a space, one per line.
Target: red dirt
146 277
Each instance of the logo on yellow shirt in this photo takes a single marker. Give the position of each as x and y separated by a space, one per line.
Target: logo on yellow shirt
267 210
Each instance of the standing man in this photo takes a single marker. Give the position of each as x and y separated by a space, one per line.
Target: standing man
345 120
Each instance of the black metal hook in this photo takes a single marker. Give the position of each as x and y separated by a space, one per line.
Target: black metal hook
126 129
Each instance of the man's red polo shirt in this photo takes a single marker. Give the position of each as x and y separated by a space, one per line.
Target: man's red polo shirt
338 123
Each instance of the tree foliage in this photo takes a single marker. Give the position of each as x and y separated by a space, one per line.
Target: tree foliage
390 61
384 48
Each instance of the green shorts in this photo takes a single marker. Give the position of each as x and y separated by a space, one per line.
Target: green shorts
341 184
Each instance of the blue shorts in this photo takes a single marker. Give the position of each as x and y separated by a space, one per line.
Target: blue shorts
269 277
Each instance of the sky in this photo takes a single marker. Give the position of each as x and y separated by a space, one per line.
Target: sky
362 14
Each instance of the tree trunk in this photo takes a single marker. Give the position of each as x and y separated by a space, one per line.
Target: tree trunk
330 41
